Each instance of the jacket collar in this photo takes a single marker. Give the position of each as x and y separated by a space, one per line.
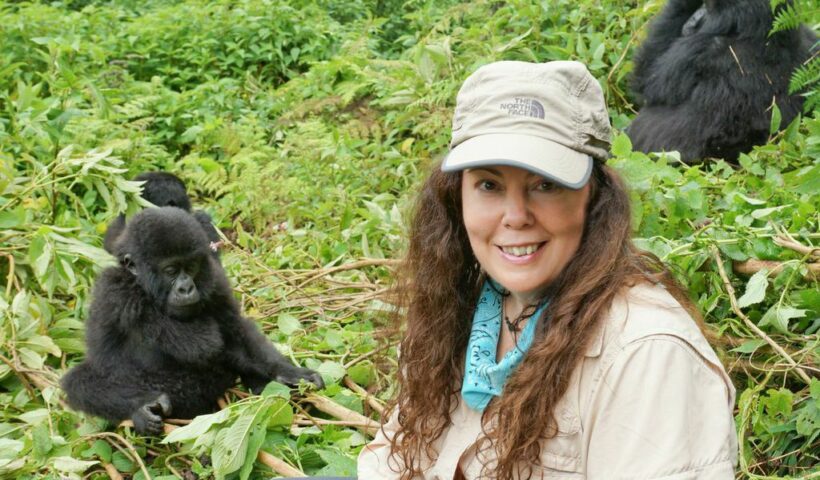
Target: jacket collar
596 344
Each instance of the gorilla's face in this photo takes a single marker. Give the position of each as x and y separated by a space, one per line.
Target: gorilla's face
179 285
178 277
166 250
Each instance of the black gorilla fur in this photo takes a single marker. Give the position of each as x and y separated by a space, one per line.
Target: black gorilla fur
697 97
163 189
165 335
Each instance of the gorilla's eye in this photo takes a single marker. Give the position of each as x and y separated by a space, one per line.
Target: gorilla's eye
170 270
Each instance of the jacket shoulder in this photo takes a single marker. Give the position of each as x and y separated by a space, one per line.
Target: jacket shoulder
646 311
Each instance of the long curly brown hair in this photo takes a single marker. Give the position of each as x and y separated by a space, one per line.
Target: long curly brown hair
438 286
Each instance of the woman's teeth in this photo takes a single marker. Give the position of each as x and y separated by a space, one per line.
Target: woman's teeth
521 251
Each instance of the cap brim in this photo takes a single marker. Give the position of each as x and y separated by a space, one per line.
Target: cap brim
551 160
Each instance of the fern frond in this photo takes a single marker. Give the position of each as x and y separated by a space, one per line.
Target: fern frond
812 102
786 18
805 77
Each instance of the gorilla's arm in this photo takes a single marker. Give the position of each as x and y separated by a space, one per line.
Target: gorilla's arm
116 394
664 31
258 362
108 383
113 232
124 321
117 308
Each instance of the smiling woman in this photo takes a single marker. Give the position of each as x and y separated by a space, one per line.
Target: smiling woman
539 343
523 229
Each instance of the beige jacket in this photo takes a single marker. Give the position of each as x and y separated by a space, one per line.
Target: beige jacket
650 400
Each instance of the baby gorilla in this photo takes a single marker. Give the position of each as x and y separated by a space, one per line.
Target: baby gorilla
165 335
163 189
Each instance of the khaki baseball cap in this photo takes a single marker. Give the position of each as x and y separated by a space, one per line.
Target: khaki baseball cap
548 118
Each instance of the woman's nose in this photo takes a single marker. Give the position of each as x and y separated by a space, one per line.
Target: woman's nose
516 211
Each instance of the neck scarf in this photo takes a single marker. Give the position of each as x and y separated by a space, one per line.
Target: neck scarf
483 377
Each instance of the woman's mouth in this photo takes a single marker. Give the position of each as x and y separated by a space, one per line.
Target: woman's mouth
521 251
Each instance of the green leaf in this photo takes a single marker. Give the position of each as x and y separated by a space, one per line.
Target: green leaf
40 254
755 289
336 464
191 134
363 373
276 389
778 402
12 218
621 145
331 372
733 251
281 414
765 212
100 449
123 463
805 180
333 338
257 438
230 448
750 200
774 126
749 346
41 440
72 465
10 448
35 417
42 344
778 316
30 358
288 324
197 427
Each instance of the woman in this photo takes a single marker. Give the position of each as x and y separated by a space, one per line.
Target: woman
539 342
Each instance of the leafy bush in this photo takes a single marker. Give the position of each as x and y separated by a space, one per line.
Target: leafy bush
305 128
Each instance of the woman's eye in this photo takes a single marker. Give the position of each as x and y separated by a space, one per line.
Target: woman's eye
546 186
487 185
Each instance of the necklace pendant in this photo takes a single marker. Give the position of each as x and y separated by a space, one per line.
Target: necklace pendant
512 327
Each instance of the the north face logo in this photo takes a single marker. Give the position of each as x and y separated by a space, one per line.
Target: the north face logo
522 106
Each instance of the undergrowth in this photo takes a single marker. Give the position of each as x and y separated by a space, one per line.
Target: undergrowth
304 127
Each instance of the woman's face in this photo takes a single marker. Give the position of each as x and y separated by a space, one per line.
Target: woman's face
523 228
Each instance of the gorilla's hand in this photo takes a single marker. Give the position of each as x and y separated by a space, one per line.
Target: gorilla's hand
148 418
290 375
694 23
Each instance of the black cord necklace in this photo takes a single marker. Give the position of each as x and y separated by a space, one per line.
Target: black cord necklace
513 326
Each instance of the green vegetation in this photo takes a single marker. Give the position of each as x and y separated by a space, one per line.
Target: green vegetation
305 127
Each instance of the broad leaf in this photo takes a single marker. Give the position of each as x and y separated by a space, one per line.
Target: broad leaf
755 289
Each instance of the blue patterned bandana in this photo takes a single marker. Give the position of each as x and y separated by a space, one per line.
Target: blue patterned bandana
483 377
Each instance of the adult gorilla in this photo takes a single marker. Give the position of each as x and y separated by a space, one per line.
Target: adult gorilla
707 74
163 189
165 335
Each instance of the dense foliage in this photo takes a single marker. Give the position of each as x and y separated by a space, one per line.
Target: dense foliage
305 127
